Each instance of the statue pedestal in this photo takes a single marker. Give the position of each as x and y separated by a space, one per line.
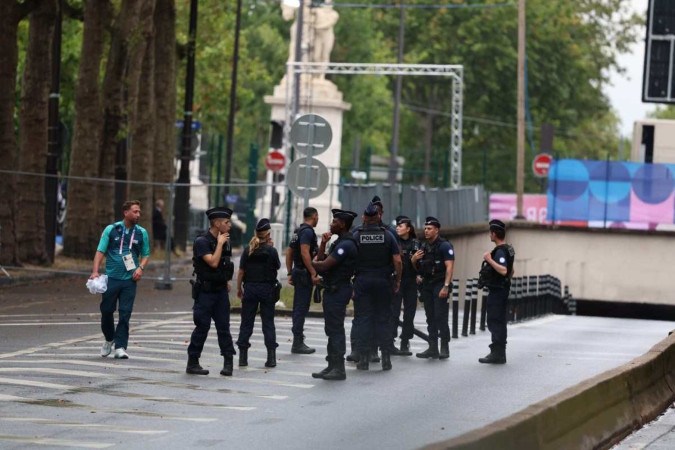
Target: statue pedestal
322 97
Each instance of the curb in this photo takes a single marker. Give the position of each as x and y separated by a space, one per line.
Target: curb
596 413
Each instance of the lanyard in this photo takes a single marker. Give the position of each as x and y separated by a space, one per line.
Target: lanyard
131 241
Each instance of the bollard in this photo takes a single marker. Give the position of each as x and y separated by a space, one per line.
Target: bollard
483 309
532 295
474 305
467 307
455 308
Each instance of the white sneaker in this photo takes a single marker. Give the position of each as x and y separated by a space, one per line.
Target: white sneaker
120 353
106 348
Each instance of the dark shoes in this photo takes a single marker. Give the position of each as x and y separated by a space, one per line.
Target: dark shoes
431 352
386 360
445 350
193 367
227 366
271 358
243 356
335 370
321 374
405 348
300 348
496 356
364 361
354 356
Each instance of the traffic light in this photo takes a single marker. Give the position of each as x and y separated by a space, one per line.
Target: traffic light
277 134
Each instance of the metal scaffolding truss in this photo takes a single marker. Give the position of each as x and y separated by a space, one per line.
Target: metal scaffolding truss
455 72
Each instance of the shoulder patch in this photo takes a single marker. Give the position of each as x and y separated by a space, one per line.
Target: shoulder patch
451 252
340 251
502 260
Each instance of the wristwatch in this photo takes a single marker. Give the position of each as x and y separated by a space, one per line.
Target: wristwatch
446 286
141 267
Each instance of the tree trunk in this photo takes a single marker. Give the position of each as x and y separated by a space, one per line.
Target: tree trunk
82 231
115 127
165 99
143 124
11 13
33 134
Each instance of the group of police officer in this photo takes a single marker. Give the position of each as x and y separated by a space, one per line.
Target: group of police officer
377 266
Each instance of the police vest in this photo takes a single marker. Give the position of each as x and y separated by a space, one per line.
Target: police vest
117 234
219 275
489 277
295 245
342 272
432 264
373 249
260 266
408 248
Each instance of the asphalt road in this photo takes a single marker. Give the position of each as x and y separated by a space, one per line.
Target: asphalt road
56 391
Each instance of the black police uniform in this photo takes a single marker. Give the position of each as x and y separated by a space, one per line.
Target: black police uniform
302 281
497 301
407 294
432 268
260 285
373 289
212 299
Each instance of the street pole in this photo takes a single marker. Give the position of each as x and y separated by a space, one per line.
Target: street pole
393 165
54 145
233 103
520 161
183 182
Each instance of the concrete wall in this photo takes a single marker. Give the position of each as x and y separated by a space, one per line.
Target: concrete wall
597 264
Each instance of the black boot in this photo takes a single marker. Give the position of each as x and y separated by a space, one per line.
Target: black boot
431 352
193 367
354 356
496 356
445 349
394 351
405 348
227 366
338 372
386 360
374 355
364 361
299 346
243 356
271 357
325 371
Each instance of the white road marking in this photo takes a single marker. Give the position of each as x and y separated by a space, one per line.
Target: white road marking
104 427
54 442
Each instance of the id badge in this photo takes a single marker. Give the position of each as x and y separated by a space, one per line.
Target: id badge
129 262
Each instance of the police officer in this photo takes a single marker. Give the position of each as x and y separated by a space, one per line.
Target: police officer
301 275
214 269
336 269
379 257
496 276
258 271
435 261
409 244
377 201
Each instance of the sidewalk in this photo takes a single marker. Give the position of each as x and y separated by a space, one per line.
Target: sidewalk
656 435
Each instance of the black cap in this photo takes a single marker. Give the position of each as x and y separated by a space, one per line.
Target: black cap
432 221
497 225
371 210
377 201
347 216
263 224
219 212
403 219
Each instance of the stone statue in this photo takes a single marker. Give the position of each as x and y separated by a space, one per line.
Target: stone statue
317 32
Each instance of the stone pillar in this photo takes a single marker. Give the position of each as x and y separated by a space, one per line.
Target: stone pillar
322 97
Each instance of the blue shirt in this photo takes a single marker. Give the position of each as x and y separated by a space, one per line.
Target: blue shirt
116 242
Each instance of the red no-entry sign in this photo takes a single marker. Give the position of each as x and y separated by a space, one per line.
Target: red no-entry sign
541 164
275 161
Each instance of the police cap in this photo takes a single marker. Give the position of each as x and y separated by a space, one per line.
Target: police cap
263 224
371 210
377 201
219 212
432 221
403 219
345 216
497 225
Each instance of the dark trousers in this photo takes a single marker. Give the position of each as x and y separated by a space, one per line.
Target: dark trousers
302 296
372 305
334 306
436 309
497 300
216 306
124 292
257 294
408 296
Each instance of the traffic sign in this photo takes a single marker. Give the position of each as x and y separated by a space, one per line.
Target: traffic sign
541 164
311 134
275 161
307 177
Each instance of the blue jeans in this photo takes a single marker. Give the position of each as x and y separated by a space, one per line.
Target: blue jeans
123 291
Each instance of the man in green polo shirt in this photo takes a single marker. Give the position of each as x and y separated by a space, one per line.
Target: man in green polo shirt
126 248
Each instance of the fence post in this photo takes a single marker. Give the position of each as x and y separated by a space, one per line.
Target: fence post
467 307
455 308
165 284
474 305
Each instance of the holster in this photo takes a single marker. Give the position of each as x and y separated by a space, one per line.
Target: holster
277 291
196 288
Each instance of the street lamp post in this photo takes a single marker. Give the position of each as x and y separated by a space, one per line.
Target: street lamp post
520 161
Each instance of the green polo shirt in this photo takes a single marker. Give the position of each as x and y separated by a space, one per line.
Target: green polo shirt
116 242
